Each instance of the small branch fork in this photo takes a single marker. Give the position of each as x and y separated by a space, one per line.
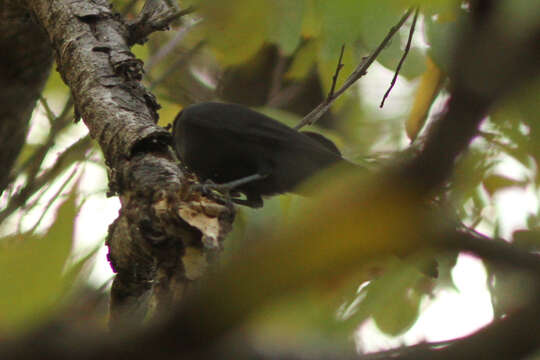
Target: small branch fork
360 71
155 16
336 74
402 60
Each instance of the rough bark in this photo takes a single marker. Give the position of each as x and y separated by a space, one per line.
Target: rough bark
94 59
164 235
24 67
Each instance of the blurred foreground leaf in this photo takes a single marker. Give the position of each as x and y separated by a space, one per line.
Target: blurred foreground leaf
31 270
354 220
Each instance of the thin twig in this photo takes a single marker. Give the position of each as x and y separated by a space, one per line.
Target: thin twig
68 106
360 71
403 57
178 14
48 111
55 197
149 21
34 162
336 74
71 155
42 192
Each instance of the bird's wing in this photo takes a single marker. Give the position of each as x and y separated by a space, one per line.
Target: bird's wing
253 128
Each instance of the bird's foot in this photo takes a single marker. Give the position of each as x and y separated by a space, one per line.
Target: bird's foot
225 192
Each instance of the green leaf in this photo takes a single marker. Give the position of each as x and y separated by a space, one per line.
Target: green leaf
339 26
393 299
285 23
235 29
496 182
397 303
302 319
414 64
441 29
311 25
75 270
303 61
469 174
31 270
427 91
517 119
399 315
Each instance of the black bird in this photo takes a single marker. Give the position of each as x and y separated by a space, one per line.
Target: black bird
255 154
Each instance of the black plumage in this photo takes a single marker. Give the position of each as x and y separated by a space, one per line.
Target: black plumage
226 142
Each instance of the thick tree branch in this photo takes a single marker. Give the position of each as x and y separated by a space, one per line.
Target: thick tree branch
162 240
477 85
24 68
95 61
514 337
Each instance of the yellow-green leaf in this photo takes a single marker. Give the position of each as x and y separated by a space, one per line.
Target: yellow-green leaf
311 25
285 23
235 29
31 270
303 61
497 182
427 92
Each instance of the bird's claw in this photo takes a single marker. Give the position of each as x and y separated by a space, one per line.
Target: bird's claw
226 191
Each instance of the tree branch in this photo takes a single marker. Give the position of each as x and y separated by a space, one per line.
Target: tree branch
402 60
514 337
97 64
73 154
475 87
160 242
156 15
360 71
336 74
24 68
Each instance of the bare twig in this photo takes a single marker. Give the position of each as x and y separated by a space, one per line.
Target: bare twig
55 197
33 163
402 60
336 74
48 111
492 249
71 155
165 21
155 16
360 71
